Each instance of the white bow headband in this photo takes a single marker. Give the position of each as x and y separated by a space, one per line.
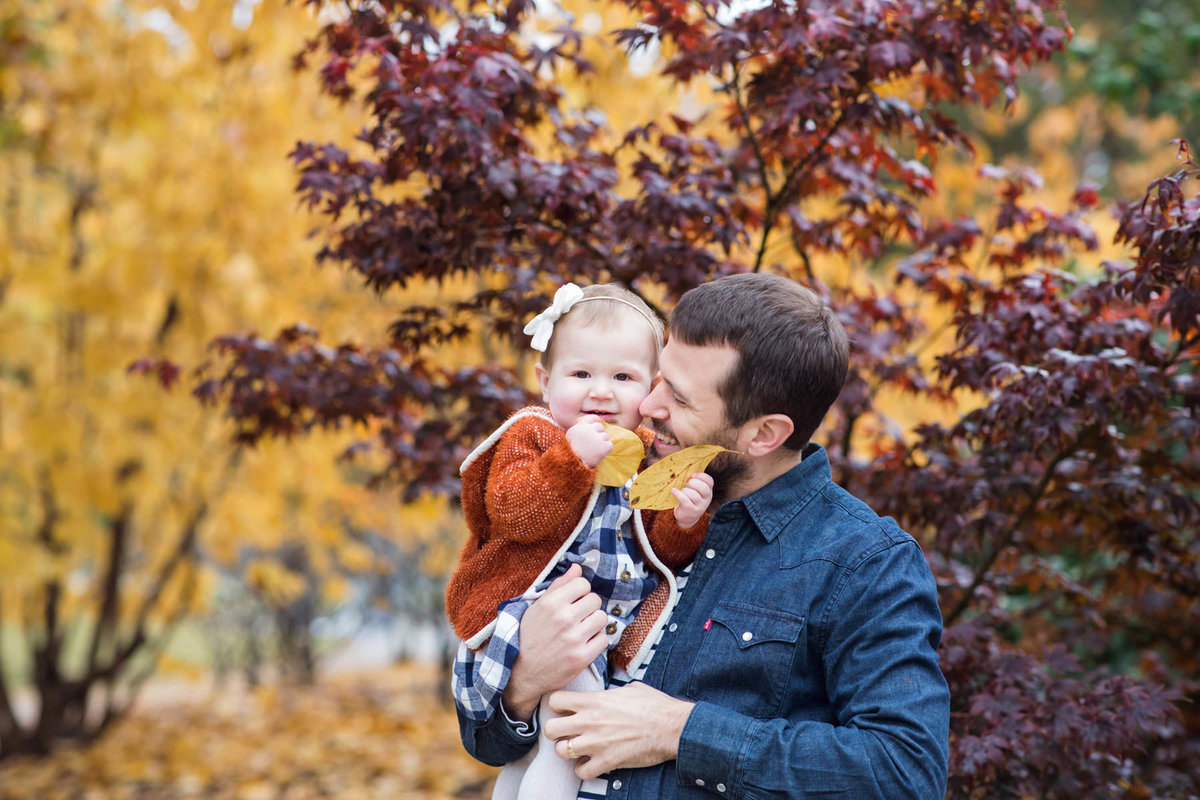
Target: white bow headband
541 326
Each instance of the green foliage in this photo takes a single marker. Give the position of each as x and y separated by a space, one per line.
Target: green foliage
1148 64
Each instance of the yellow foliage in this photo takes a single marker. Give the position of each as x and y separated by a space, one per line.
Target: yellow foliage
279 584
149 207
336 590
355 557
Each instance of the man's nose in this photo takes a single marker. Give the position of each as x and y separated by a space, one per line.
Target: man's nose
652 405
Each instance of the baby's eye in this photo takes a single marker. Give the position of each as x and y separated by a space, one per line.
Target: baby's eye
623 377
579 373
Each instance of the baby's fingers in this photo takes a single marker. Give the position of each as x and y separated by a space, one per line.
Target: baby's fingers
686 496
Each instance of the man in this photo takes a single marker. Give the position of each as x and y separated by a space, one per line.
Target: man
800 659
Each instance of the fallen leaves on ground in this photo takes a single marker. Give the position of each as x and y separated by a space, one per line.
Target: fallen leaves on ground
361 736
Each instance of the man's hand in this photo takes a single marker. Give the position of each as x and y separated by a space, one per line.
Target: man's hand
693 498
634 726
589 440
561 633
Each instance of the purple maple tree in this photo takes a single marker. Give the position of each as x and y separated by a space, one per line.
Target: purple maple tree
1059 513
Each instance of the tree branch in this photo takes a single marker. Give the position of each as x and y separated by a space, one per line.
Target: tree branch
10 729
1007 537
46 675
106 619
848 435
183 550
733 87
779 199
155 648
1183 345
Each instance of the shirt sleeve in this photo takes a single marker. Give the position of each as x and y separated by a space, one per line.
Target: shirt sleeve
498 740
890 701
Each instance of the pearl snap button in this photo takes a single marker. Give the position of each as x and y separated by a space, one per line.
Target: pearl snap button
672 627
720 787
616 784
710 553
747 636
699 781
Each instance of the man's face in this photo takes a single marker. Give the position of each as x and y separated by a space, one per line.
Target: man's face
684 407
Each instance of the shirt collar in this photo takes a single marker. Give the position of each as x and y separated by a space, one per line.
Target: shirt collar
775 505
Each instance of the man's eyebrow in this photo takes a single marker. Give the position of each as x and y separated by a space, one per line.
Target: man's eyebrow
673 389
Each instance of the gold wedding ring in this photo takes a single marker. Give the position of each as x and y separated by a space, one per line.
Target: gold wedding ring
571 750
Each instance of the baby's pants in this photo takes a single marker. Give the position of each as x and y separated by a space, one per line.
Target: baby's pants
541 774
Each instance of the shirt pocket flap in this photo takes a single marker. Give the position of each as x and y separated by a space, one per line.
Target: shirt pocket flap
754 625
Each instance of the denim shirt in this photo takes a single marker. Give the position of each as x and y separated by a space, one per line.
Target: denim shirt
807 637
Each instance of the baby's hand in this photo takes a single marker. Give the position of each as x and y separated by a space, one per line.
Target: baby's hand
589 440
693 499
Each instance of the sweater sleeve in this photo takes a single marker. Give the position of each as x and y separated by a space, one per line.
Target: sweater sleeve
535 482
674 545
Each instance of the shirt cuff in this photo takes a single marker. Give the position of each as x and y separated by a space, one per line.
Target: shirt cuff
711 748
522 730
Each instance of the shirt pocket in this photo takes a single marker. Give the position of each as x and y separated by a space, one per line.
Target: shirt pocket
745 659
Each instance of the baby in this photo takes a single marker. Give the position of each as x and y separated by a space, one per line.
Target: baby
533 508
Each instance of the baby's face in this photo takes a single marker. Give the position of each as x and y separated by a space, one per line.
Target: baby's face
602 370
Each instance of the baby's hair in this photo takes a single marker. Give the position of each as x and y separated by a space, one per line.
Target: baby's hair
602 303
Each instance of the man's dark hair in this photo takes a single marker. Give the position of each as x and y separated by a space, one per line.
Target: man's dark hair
792 350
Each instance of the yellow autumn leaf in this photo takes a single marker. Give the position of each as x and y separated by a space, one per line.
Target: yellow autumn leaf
621 464
274 581
652 489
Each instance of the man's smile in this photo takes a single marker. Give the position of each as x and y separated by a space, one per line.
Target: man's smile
664 438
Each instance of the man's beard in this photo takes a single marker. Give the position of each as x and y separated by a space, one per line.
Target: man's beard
728 468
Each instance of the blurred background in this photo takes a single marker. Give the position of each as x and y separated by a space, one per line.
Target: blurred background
181 616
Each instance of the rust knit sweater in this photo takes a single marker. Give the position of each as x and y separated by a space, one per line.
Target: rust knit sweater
526 497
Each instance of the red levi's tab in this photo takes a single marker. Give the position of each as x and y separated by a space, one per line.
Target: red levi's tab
708 623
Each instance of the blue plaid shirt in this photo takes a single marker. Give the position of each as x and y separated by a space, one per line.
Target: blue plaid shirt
607 552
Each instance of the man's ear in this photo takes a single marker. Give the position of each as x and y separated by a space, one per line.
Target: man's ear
543 379
767 434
